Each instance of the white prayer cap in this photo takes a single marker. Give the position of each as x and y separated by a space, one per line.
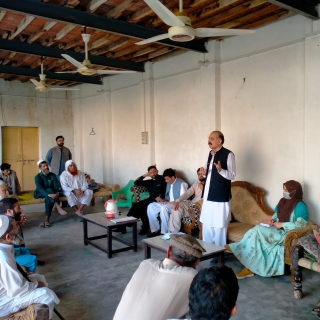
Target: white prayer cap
1 182
4 223
40 161
68 164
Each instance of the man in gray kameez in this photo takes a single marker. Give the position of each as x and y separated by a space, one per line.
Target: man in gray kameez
58 156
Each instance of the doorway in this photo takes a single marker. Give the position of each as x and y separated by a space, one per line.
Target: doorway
20 148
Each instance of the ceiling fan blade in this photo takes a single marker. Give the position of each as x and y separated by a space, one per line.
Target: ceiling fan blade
67 72
164 13
36 83
153 39
114 71
73 61
64 89
218 32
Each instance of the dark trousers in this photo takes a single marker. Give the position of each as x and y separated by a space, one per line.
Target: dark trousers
139 210
49 202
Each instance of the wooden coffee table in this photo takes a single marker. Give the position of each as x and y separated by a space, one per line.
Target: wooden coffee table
100 220
162 245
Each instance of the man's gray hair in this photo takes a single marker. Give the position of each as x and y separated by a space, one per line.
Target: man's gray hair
188 259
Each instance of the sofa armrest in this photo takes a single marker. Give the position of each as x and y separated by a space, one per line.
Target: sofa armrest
291 239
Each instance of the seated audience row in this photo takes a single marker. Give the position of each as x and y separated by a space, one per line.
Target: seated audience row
159 289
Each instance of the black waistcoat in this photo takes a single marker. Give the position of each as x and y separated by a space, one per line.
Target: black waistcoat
220 187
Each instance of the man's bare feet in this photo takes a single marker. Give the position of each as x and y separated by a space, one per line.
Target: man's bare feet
79 212
60 210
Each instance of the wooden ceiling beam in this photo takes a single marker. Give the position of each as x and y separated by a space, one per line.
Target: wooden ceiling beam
246 21
70 3
232 13
22 25
307 8
2 14
122 52
117 11
147 11
63 32
111 47
93 5
144 51
80 18
47 26
8 58
99 43
158 53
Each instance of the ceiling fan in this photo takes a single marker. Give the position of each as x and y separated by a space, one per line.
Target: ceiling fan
85 68
42 86
180 26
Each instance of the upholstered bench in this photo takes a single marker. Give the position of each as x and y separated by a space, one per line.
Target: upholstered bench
105 190
36 311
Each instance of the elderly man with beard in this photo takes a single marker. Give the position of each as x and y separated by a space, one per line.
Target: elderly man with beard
47 187
181 205
75 188
11 208
4 191
18 291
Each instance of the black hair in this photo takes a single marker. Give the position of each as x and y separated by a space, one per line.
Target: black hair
5 166
58 137
152 167
7 203
169 173
213 294
188 259
198 170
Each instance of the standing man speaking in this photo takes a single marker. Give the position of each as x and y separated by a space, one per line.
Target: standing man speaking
219 171
58 156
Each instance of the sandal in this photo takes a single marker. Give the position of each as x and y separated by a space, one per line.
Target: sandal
44 225
316 309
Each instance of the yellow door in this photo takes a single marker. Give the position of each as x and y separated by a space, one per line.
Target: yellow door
20 148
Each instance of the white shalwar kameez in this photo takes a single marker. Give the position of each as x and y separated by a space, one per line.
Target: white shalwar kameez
155 207
215 216
69 183
16 292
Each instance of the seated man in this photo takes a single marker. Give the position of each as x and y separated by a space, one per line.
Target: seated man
4 192
159 289
47 187
16 291
156 187
11 208
10 178
75 188
213 294
181 205
175 188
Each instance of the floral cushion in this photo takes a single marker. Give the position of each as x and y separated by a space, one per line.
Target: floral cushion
137 190
188 220
310 245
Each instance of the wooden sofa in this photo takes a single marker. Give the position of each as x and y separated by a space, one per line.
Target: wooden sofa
249 209
105 190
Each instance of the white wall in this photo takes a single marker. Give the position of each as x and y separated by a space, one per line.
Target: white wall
270 119
21 105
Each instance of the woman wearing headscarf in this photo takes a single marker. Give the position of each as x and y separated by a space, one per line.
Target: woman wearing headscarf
261 249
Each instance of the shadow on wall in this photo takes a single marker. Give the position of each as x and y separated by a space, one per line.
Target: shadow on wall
311 205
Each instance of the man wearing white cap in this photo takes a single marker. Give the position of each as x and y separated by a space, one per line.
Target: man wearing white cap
16 291
75 187
47 187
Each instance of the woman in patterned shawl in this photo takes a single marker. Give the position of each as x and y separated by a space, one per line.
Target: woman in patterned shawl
261 249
